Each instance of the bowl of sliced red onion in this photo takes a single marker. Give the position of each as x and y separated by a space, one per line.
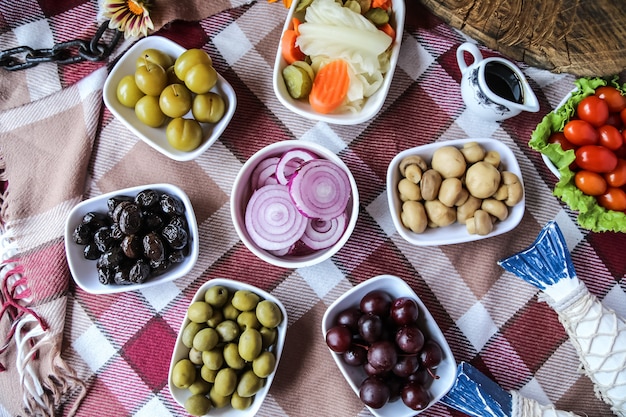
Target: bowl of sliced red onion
294 204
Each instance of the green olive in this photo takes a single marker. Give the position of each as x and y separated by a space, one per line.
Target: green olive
248 319
195 356
216 296
213 359
175 100
189 332
148 111
225 382
216 318
227 330
151 79
154 56
245 300
208 108
269 313
240 403
208 374
205 339
183 374
188 59
201 78
184 134
230 312
128 94
249 384
264 364
232 357
199 312
218 401
200 386
250 344
198 405
269 336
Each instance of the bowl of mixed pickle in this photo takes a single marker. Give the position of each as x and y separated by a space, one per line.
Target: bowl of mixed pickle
172 98
131 239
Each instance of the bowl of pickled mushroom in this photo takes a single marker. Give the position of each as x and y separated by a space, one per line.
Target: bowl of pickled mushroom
294 203
170 97
336 60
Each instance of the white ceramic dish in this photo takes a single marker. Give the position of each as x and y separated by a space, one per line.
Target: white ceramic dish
455 233
241 194
395 287
155 137
181 351
84 271
372 104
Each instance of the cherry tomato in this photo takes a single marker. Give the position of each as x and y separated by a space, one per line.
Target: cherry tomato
617 177
590 183
615 120
580 132
613 97
596 158
613 199
559 137
610 137
593 110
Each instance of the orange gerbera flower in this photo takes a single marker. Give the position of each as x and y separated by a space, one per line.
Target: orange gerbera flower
131 16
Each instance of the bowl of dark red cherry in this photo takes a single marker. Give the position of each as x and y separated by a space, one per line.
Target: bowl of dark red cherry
389 347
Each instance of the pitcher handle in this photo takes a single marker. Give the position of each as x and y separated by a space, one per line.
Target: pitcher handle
472 49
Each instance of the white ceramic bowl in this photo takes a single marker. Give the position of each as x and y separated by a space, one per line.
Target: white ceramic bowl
182 352
241 194
456 232
372 104
155 137
396 287
84 271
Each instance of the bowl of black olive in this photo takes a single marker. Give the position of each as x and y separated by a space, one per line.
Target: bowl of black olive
131 239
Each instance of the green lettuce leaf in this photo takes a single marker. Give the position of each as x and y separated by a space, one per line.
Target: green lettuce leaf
591 215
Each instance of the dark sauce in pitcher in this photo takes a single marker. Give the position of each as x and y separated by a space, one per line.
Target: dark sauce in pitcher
503 82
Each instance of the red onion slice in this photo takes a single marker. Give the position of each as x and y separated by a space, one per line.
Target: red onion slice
262 171
290 161
272 220
320 189
322 234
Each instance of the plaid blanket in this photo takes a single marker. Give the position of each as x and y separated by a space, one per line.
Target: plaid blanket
111 353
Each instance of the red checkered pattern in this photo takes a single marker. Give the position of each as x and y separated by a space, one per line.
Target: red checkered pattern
121 344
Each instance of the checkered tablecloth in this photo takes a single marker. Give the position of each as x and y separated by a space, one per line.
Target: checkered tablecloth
120 345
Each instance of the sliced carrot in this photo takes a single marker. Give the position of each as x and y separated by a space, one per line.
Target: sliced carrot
389 30
287 3
330 86
290 51
382 4
295 23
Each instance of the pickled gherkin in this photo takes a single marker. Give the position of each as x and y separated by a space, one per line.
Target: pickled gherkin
298 81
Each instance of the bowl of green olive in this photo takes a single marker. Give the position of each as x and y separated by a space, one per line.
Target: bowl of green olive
227 350
170 97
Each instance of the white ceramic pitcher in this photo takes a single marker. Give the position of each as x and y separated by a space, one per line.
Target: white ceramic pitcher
493 88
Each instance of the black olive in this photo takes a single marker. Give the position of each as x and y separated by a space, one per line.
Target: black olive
111 258
153 247
171 205
116 232
103 239
113 202
82 234
158 267
130 219
147 198
139 272
176 257
180 221
121 274
95 220
152 221
175 236
105 275
131 246
91 252
118 210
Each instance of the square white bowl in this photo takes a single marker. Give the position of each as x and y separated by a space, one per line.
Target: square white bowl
372 104
242 191
84 270
181 351
396 287
456 232
155 136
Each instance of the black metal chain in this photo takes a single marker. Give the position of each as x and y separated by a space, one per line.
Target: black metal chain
70 52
